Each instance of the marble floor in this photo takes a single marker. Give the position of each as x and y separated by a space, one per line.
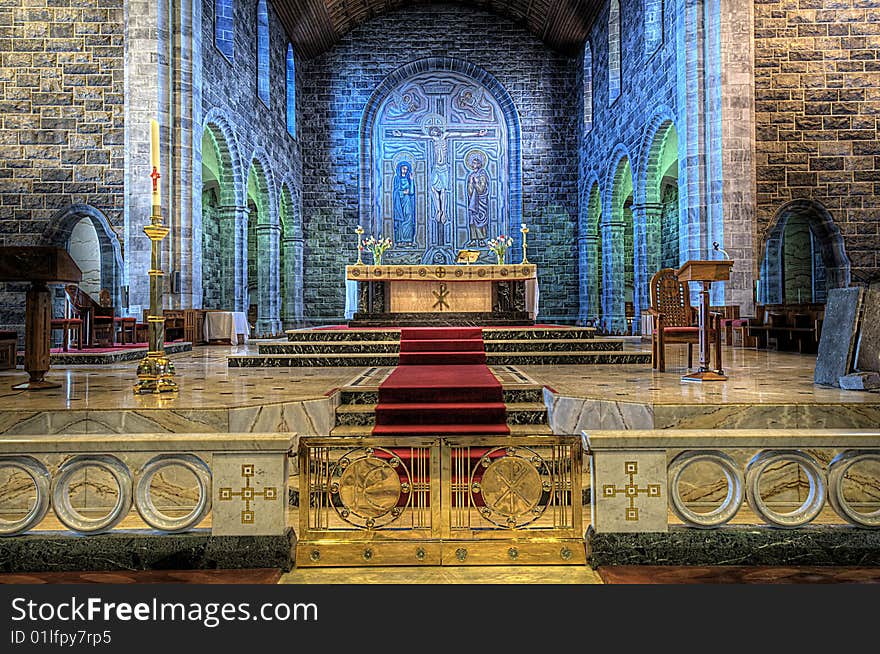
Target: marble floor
755 377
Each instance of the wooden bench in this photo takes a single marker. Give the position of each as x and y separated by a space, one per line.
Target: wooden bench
787 327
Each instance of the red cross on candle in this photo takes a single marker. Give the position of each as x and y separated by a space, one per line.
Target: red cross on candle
155 177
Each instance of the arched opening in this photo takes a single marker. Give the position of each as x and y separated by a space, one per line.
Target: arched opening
620 308
224 27
291 272
614 70
263 51
588 88
86 234
804 256
440 171
85 249
219 202
263 236
662 200
290 86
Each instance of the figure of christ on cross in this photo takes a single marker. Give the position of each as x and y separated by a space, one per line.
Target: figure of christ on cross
439 135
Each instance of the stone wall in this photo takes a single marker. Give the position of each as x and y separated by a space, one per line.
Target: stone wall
336 87
259 132
817 106
619 128
61 120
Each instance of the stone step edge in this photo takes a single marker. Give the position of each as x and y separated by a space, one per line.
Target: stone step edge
515 430
511 406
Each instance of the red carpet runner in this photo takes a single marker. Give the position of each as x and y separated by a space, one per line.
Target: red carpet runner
442 386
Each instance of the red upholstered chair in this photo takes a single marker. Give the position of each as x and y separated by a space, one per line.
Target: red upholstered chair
99 319
122 325
675 320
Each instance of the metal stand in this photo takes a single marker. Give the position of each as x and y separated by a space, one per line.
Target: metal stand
155 372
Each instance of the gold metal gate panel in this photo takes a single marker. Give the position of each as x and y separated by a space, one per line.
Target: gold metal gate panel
440 501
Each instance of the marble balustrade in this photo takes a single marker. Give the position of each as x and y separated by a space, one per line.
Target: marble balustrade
706 478
225 484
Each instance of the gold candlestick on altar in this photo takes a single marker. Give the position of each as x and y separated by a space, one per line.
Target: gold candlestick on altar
360 231
155 372
524 230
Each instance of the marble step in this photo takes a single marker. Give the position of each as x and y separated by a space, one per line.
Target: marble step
392 347
515 430
578 357
354 346
331 335
489 334
511 395
520 413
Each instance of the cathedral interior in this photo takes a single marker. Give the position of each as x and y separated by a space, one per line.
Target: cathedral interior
403 291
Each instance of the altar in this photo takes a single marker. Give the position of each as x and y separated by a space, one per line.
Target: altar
414 295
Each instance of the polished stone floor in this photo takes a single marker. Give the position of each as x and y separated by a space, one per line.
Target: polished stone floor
755 377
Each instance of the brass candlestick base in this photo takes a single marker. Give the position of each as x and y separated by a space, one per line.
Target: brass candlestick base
155 371
156 375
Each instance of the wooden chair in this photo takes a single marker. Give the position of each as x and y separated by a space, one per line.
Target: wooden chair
122 325
70 328
675 320
98 319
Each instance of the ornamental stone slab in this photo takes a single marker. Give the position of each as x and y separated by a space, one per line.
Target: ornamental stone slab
838 335
250 494
629 491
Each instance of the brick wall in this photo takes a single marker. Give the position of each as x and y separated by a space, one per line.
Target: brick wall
817 107
336 87
61 117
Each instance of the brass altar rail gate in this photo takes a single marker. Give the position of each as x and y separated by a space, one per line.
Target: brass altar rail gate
463 500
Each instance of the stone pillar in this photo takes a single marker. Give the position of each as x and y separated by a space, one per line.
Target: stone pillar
594 301
614 311
146 63
268 289
233 257
738 189
646 242
583 279
185 182
292 278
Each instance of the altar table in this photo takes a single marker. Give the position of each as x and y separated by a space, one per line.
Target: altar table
226 325
444 294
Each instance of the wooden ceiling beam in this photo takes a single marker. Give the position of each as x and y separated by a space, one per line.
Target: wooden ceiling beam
315 26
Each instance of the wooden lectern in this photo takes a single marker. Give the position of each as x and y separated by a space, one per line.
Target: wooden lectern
706 272
39 266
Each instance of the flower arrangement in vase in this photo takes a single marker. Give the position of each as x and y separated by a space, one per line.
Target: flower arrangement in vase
378 247
499 246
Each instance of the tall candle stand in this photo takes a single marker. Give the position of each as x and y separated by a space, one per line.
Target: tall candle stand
155 372
360 232
524 230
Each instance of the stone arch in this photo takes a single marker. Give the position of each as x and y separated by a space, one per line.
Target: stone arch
619 285
290 257
58 233
263 245
830 263
430 65
657 212
223 139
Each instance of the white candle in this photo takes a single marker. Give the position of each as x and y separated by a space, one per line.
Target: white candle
154 159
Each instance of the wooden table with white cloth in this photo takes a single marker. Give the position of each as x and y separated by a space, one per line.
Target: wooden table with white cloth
227 325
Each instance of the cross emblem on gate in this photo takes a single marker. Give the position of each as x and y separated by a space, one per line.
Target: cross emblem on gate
441 296
631 491
248 494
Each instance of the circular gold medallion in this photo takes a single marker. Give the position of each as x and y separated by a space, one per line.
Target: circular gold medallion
511 487
369 487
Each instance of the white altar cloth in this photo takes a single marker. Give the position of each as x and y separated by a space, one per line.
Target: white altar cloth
226 325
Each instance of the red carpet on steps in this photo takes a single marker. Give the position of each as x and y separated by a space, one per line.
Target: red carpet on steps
442 386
